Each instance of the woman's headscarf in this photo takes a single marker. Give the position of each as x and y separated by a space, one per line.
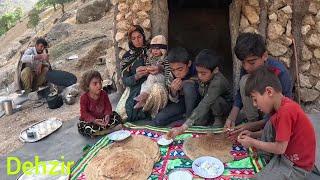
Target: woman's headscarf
134 53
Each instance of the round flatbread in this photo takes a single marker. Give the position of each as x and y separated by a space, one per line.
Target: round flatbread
126 164
216 145
145 144
130 159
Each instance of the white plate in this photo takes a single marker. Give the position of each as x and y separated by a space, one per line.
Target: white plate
119 135
164 142
208 167
180 175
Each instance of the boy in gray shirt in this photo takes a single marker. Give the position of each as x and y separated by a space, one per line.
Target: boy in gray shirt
215 91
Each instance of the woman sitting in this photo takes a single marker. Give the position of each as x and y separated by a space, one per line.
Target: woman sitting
96 116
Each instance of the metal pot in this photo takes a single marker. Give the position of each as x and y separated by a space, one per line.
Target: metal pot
54 100
44 92
8 107
70 100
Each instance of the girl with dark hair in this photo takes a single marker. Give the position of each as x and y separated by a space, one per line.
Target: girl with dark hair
96 116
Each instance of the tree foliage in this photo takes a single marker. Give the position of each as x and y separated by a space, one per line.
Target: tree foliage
34 18
42 4
8 20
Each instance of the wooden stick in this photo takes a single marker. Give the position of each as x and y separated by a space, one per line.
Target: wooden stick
296 70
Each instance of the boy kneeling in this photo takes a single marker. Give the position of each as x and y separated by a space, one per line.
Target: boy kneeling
288 138
216 94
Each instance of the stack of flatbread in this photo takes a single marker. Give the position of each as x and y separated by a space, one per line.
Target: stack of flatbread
216 145
131 159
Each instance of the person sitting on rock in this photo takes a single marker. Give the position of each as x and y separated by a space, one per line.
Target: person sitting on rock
96 116
34 64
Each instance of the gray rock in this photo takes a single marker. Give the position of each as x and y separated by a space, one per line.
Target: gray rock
314 40
309 95
305 29
309 20
65 16
92 11
59 31
315 69
24 40
251 14
287 9
305 67
304 81
316 53
276 49
317 86
275 30
313 8
306 53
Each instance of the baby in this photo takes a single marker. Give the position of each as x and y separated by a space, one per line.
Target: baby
155 66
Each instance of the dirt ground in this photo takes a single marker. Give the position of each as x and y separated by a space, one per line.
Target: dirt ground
12 125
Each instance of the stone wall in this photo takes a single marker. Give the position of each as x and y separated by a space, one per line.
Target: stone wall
132 12
279 35
310 62
273 19
250 16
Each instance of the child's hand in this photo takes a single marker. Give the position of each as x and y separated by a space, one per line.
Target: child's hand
238 129
106 119
100 122
141 68
175 132
230 124
176 85
246 133
154 70
245 140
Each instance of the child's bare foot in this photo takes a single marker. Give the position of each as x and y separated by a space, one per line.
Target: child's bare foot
142 98
139 105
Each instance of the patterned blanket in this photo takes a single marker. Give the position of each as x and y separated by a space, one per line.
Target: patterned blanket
173 157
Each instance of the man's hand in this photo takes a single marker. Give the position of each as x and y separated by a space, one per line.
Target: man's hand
245 141
38 69
176 85
228 128
45 57
41 57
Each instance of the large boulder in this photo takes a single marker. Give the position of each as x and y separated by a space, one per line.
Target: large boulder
59 31
92 11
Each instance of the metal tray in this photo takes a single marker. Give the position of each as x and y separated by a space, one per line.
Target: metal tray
42 129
